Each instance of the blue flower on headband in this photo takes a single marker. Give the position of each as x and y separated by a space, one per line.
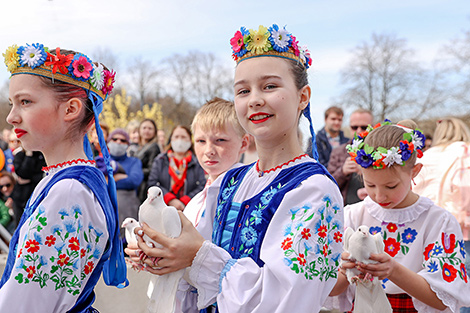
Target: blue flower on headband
363 159
418 139
32 55
280 38
81 67
405 150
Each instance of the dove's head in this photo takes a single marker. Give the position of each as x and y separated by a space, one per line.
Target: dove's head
154 193
363 231
129 223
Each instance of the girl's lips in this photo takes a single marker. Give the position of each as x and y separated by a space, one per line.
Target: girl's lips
19 132
385 204
259 117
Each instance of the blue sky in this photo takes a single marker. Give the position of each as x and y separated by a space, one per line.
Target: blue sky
156 29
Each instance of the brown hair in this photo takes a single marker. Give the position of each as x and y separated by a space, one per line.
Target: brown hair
154 138
388 136
168 147
64 92
333 109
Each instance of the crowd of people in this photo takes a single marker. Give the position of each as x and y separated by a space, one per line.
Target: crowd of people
262 218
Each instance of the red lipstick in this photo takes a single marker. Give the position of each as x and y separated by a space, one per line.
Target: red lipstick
260 117
20 132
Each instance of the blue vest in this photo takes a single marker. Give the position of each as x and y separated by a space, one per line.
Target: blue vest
255 214
112 261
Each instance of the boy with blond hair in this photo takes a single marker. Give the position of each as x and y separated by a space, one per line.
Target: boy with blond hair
219 141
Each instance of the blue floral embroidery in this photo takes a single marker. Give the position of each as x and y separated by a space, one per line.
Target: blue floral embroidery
249 236
437 250
375 230
307 250
462 248
432 267
409 235
267 195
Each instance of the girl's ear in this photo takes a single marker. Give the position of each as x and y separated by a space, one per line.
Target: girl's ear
73 109
304 97
245 143
416 169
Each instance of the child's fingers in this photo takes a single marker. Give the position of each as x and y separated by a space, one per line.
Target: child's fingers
154 235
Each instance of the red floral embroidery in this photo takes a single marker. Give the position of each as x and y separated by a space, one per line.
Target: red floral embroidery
306 233
428 251
63 260
392 227
82 253
463 271
322 230
448 242
325 250
287 243
74 245
301 259
32 246
89 267
392 246
338 236
31 271
20 253
50 240
449 272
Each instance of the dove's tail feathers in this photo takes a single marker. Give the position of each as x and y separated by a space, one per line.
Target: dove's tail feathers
163 295
371 298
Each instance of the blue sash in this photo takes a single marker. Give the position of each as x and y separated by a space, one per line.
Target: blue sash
112 261
256 213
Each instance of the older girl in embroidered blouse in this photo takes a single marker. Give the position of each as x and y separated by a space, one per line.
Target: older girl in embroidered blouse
423 265
68 233
278 224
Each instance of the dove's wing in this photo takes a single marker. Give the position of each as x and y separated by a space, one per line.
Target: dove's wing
379 243
171 222
347 234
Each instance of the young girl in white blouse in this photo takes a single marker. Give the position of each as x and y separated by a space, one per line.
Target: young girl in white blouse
68 234
422 268
277 231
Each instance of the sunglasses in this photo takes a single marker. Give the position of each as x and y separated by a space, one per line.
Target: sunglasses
6 185
119 140
363 127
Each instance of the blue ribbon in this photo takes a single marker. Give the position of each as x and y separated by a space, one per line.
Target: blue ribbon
306 113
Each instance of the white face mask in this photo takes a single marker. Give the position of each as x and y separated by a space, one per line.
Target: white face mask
117 149
180 145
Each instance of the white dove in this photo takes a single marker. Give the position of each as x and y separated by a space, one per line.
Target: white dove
130 224
164 219
370 296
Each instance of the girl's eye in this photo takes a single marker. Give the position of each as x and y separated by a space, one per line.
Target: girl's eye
270 86
24 102
392 187
242 91
200 141
221 140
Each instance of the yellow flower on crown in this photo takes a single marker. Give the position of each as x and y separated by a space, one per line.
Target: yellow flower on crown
259 40
11 58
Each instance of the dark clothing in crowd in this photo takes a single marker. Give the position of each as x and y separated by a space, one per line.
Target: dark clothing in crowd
146 155
323 146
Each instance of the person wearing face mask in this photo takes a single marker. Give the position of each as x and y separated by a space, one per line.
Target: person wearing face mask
128 179
177 171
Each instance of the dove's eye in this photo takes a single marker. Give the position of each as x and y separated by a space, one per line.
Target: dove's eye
159 194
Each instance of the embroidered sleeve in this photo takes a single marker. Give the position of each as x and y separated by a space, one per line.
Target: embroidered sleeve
300 251
59 248
444 265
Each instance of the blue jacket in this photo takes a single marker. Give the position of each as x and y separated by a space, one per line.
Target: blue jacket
133 168
323 146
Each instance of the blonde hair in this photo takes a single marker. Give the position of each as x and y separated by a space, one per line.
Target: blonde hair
388 136
450 130
215 114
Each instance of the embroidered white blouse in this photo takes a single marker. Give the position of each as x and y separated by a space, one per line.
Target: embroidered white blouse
300 251
426 239
58 248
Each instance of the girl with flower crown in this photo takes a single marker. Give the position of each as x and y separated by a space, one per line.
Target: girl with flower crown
422 268
277 223
68 234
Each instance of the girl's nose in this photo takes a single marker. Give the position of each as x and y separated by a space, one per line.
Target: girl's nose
13 117
256 99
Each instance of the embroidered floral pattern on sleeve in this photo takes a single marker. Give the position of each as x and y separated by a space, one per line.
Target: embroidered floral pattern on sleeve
62 255
446 255
394 240
308 240
226 193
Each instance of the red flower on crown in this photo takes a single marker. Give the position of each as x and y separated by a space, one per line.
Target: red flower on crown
59 61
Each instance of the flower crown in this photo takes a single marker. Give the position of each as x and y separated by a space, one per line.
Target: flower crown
76 69
272 41
366 156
